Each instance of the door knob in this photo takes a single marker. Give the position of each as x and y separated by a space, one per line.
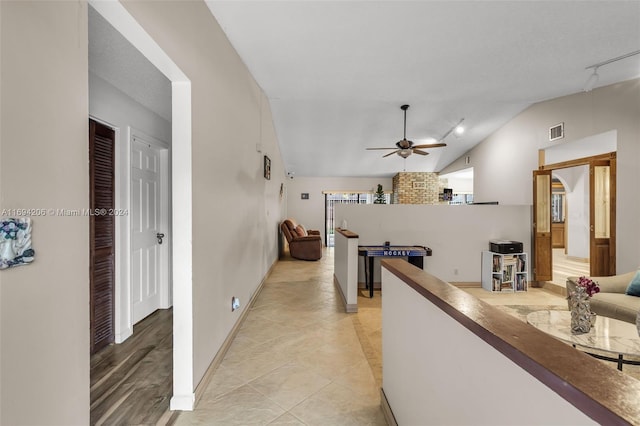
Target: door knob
159 236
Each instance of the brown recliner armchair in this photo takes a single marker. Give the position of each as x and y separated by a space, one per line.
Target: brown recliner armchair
303 244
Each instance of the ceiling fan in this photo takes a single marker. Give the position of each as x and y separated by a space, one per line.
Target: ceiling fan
405 148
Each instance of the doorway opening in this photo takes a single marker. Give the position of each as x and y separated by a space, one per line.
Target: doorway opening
333 198
588 211
183 387
570 223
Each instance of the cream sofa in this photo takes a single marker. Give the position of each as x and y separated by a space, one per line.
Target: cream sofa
612 301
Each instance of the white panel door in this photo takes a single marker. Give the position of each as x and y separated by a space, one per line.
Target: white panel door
145 223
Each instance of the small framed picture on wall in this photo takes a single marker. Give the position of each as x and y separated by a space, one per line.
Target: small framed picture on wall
267 168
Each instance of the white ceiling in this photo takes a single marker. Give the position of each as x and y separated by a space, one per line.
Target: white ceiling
114 59
337 72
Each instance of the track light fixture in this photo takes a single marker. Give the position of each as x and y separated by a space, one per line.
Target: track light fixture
593 78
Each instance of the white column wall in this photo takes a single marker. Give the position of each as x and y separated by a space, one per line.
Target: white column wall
438 372
346 269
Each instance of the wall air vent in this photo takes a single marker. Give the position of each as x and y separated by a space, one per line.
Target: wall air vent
556 132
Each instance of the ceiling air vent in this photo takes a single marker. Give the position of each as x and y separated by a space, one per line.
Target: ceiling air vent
556 132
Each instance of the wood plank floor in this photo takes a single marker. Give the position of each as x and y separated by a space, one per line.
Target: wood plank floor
131 383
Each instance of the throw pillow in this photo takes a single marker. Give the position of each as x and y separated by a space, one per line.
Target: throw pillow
300 231
633 289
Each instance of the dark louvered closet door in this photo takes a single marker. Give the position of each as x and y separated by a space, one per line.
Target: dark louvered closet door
102 234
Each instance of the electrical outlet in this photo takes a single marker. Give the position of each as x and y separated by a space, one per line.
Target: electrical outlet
455 271
235 303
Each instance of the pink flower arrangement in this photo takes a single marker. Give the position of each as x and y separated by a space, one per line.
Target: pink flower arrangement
590 286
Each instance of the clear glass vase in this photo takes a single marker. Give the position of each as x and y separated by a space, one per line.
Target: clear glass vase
581 315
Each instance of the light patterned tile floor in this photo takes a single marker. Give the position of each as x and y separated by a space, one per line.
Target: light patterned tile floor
297 359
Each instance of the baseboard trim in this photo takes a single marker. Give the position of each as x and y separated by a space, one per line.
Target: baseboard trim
123 335
182 402
463 284
554 288
215 363
376 285
386 409
349 308
578 259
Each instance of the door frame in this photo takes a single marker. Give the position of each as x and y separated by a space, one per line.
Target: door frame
590 161
123 306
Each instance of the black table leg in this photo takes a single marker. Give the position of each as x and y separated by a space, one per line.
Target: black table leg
416 261
620 362
366 272
370 276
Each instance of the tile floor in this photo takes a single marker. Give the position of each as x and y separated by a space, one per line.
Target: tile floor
299 359
296 360
534 296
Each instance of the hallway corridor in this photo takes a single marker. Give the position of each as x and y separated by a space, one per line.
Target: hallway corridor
296 360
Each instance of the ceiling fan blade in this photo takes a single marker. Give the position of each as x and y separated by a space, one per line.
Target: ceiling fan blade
417 151
430 145
391 153
381 148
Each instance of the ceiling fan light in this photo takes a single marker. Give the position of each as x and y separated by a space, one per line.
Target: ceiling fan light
404 153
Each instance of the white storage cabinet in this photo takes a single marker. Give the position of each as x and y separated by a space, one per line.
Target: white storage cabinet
504 272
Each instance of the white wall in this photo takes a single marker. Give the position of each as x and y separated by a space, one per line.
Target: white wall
44 164
311 212
503 162
456 234
460 186
576 184
590 146
464 380
461 182
109 104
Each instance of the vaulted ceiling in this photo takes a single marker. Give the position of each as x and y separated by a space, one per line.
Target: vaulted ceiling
337 72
